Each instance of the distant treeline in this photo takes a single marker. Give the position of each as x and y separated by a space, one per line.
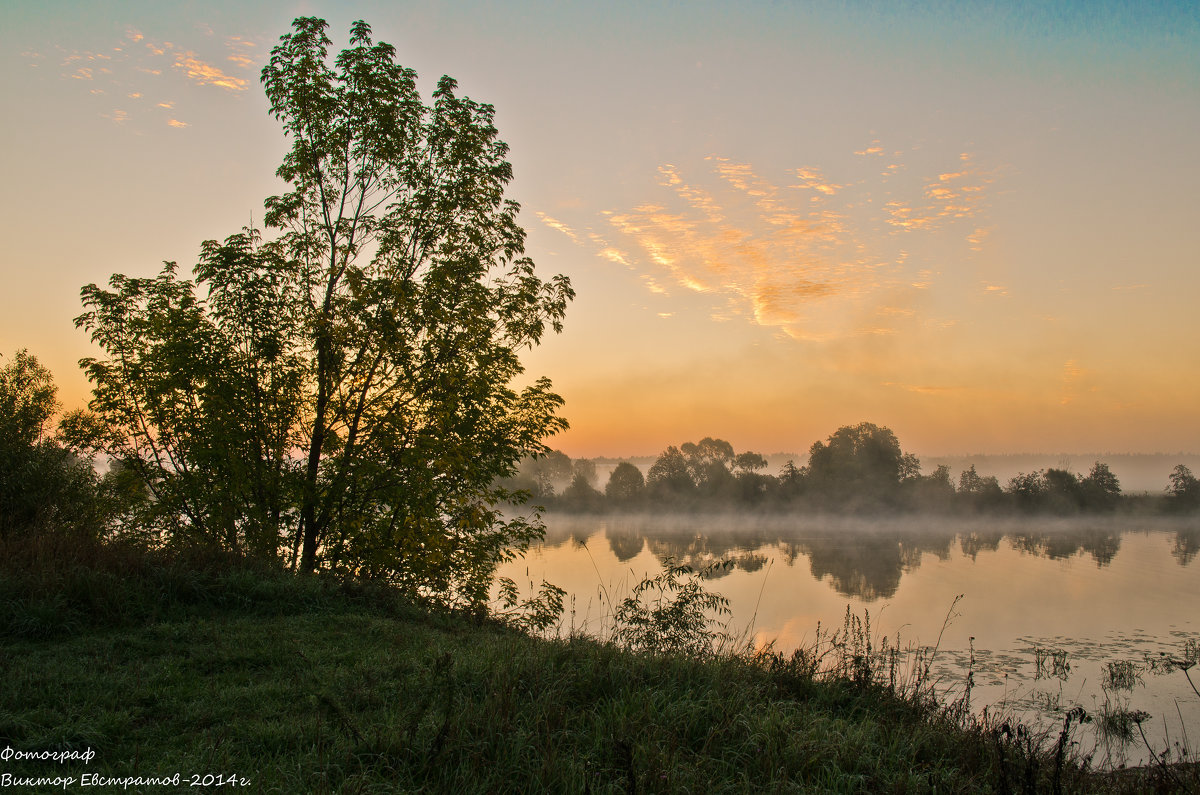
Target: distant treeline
859 468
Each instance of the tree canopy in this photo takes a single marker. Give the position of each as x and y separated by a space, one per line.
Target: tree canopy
338 390
861 461
43 485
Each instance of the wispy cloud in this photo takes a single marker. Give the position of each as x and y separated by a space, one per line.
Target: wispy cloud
138 67
811 255
950 196
559 226
241 51
205 74
769 255
812 178
977 238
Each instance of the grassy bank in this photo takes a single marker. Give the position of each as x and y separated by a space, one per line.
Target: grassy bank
206 666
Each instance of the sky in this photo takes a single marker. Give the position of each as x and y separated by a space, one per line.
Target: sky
972 222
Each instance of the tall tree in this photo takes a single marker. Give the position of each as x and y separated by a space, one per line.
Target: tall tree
859 462
1185 487
669 475
343 395
625 484
1100 489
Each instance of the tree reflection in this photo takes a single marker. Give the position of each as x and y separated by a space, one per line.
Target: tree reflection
1187 544
859 559
625 545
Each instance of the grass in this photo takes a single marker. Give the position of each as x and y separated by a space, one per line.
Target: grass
208 666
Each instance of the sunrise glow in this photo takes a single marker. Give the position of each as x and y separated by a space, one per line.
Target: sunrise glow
978 228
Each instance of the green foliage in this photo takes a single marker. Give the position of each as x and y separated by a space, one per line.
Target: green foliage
1062 491
708 462
376 332
977 491
749 462
707 469
44 485
1184 488
535 614
1100 488
1027 489
861 463
669 476
669 613
932 492
626 484
543 474
201 400
581 495
27 401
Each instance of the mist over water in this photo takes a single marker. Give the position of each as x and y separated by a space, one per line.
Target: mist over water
1047 603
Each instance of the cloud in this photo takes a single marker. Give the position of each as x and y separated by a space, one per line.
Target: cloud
948 197
976 239
697 198
768 258
240 51
205 74
142 71
558 226
812 178
811 255
177 123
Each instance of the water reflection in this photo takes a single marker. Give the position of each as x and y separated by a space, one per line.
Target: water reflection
1187 544
859 558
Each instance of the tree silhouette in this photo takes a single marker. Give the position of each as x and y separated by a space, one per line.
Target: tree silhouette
1100 489
1184 488
670 476
861 463
626 484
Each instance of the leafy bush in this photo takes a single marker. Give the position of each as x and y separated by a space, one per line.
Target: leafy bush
669 613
